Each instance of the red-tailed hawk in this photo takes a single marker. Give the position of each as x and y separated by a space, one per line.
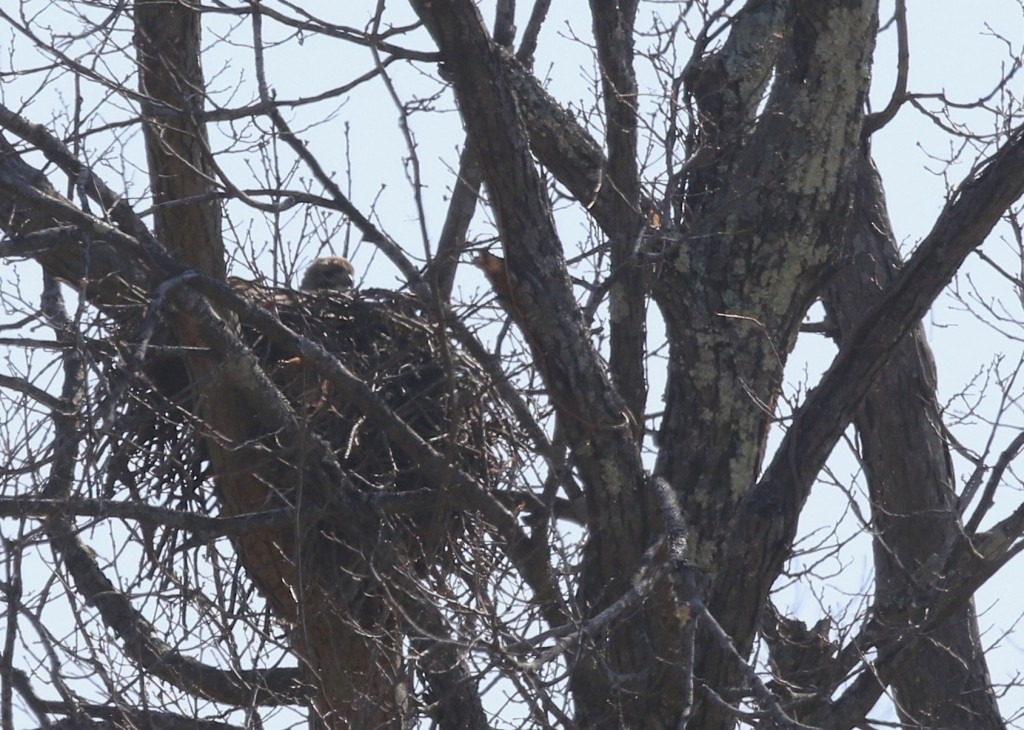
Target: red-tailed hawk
333 273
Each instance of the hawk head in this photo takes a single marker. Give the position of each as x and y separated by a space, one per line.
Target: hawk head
333 274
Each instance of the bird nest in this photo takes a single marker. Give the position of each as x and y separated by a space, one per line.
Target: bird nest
407 360
382 337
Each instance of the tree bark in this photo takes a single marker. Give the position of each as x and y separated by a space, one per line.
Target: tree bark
758 239
945 681
612 681
340 625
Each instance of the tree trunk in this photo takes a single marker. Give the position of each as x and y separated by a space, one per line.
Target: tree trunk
759 220
340 625
945 681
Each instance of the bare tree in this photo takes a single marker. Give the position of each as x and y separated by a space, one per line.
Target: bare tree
230 502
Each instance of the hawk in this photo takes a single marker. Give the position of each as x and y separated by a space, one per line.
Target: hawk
333 273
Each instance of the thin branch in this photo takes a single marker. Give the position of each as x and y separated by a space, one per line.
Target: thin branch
528 44
994 480
139 637
451 244
39 395
370 232
874 122
763 695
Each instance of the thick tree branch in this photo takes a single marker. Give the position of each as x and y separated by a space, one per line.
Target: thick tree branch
536 267
962 226
913 504
534 286
772 509
613 33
